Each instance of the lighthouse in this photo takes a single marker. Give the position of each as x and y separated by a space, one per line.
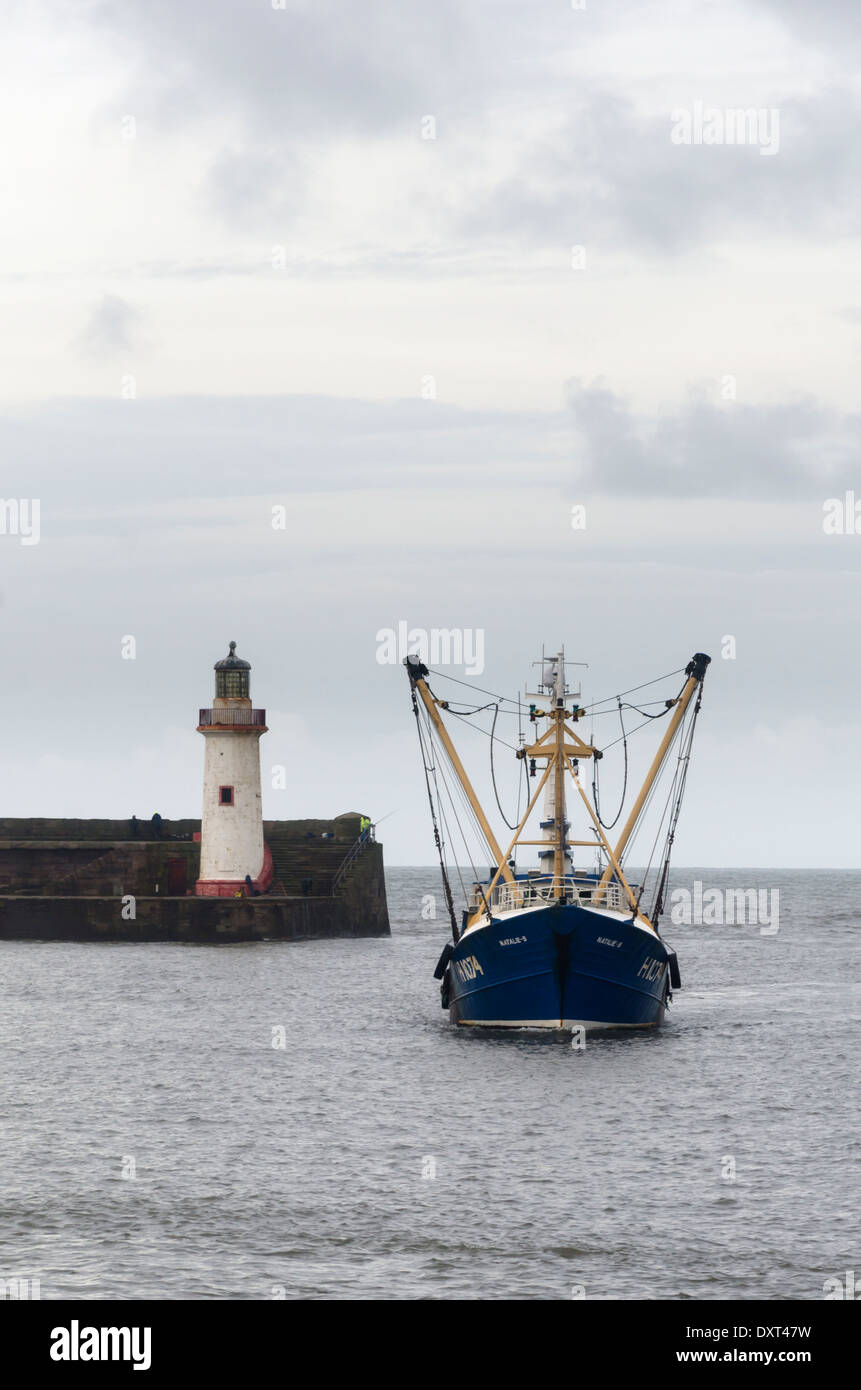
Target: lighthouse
231 830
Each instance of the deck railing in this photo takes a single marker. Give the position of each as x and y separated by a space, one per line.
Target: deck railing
543 890
231 717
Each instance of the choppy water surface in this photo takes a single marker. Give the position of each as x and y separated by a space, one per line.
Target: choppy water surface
383 1154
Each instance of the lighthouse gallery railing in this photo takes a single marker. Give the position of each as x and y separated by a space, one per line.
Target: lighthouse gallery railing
210 718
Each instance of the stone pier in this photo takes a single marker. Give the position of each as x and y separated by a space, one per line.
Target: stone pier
91 880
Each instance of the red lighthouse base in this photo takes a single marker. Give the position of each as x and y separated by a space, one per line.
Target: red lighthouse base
237 887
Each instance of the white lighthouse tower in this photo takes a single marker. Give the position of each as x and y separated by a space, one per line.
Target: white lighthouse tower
231 831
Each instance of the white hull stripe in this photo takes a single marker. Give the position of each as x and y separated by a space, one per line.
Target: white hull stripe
601 915
559 1025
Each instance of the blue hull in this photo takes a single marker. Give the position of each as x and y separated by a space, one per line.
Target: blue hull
558 967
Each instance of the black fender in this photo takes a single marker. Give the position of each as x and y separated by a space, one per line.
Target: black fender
445 990
447 952
675 977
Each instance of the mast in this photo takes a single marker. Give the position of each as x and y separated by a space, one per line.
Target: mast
552 746
559 822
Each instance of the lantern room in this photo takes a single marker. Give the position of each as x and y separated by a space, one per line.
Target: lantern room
232 677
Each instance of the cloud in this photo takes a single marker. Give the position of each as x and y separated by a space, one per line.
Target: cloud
244 182
609 175
781 451
829 24
311 65
574 141
113 328
113 451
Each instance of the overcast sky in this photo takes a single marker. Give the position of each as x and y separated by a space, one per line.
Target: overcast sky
427 277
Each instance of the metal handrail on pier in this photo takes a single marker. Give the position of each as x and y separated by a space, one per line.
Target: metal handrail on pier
366 838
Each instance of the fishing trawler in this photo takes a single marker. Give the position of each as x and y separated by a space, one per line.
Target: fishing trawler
555 946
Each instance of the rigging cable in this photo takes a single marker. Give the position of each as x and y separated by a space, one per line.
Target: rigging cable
646 806
493 778
624 781
476 827
470 686
668 705
440 767
669 801
658 905
634 688
436 835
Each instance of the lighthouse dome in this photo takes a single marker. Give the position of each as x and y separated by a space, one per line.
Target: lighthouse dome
231 676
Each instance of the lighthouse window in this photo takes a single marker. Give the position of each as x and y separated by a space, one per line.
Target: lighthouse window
225 796
231 685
